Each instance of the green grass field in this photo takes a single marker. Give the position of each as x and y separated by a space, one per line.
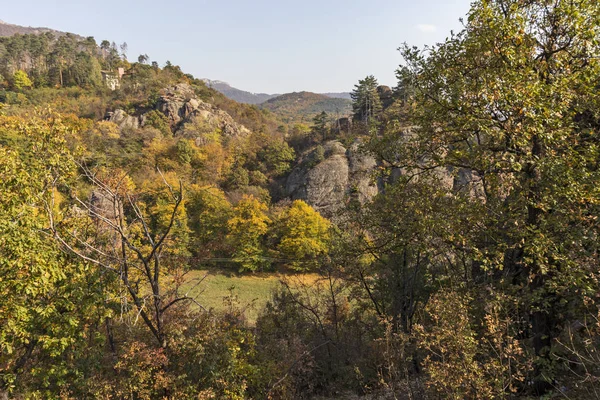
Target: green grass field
252 290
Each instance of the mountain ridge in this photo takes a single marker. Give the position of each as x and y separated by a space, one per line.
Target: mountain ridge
243 96
303 106
8 29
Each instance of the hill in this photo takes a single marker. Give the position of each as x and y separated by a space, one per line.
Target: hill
7 29
302 106
339 95
241 96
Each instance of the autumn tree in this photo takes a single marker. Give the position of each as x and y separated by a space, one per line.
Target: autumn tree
208 210
247 227
139 236
304 236
20 80
47 299
509 106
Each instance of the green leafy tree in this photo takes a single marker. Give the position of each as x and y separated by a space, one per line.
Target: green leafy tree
46 298
277 157
511 104
85 71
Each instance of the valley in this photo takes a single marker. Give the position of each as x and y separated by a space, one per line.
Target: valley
164 236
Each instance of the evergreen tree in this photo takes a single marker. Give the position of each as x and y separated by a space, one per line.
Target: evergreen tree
319 127
365 100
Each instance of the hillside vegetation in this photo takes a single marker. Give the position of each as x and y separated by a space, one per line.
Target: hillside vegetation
441 242
302 106
241 96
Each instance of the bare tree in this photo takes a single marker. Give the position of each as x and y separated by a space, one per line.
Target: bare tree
124 49
128 245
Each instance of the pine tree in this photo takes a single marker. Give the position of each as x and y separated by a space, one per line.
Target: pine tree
365 100
319 127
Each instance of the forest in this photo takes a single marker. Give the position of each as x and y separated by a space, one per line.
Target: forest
438 242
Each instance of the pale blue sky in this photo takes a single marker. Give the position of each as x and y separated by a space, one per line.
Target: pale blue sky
261 45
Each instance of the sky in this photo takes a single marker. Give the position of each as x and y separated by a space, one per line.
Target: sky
267 46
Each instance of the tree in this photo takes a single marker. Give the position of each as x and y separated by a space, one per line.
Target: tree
86 71
143 58
47 298
62 55
141 238
304 236
124 49
277 157
319 127
507 104
246 229
21 80
90 45
365 100
105 45
208 210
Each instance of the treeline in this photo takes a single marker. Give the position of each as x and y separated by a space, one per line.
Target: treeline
67 60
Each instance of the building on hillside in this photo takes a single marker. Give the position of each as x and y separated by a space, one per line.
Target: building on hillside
112 79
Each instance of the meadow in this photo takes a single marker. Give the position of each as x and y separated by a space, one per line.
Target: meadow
220 289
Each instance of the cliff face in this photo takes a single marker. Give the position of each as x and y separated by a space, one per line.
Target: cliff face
330 175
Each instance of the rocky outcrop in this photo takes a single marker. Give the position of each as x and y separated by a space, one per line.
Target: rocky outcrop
123 120
362 167
173 102
180 104
330 175
103 205
386 95
343 125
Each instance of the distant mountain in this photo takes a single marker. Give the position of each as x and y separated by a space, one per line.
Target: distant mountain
242 96
341 95
303 106
7 29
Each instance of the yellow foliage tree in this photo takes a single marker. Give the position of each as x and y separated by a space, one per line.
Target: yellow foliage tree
247 227
208 210
305 235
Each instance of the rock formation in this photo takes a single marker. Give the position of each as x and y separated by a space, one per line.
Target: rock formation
123 120
386 95
330 175
180 105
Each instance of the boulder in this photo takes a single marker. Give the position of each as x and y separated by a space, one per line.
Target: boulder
362 167
123 120
103 205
